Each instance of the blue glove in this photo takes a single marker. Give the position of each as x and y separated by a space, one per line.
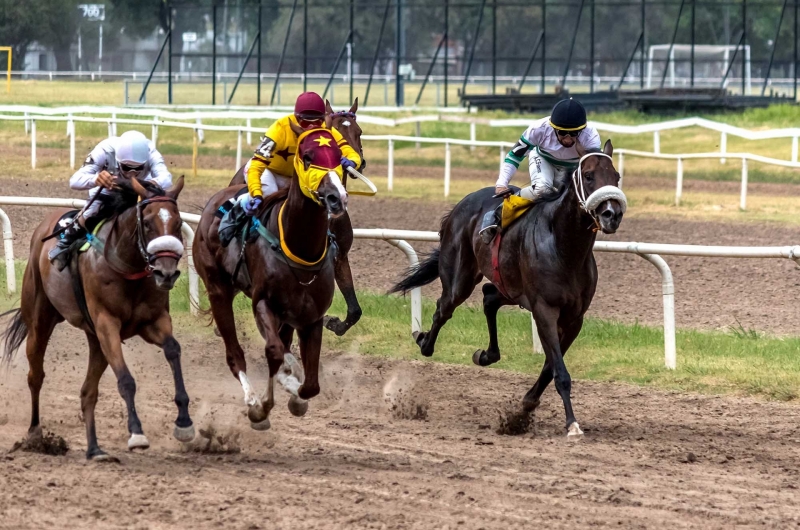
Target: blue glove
251 206
346 163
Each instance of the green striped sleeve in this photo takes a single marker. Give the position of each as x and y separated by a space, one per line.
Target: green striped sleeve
511 161
526 142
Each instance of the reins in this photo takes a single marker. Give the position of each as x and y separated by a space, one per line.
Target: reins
577 177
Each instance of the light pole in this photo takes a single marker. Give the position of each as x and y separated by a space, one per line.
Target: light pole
92 13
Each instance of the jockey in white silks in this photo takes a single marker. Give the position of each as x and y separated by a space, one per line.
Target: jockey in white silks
550 144
130 155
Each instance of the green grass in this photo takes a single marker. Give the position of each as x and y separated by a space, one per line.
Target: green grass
740 361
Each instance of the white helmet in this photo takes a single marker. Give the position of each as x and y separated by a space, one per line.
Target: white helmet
132 151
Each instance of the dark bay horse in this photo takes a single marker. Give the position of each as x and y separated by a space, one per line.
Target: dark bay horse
341 227
286 296
545 264
122 291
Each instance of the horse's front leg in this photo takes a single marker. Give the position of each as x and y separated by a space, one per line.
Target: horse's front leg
546 317
159 333
108 333
344 280
310 340
270 328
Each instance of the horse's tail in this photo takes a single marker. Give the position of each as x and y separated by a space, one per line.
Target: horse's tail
14 335
420 274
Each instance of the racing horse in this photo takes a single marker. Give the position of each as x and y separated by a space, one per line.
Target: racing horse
291 275
114 293
341 227
543 263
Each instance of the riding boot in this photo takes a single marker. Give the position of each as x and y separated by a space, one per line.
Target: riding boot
490 224
231 223
60 253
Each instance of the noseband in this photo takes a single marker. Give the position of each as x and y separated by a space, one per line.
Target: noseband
589 204
149 258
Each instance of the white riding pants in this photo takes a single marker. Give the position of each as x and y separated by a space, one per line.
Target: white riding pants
542 175
270 183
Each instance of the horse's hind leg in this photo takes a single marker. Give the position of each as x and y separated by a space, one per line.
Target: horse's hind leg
270 329
160 334
457 284
492 302
97 365
108 333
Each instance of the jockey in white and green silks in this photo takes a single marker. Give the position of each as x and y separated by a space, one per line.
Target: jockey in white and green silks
550 145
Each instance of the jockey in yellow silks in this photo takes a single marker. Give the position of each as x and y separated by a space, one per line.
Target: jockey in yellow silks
271 166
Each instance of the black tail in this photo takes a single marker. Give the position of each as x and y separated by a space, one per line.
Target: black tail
420 274
14 335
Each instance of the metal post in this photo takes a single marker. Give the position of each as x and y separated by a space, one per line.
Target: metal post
591 49
258 67
530 60
644 44
169 55
672 44
305 45
241 72
400 46
774 46
743 196
679 183
336 66
194 155
572 44
377 50
33 144
446 44
214 57
794 63
430 70
668 297
630 60
283 55
494 46
154 131
72 144
390 167
351 40
656 142
691 66
447 169
8 249
744 43
472 134
238 150
621 167
544 44
472 48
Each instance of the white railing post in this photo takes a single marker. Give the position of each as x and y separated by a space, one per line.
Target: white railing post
416 293
679 183
537 342
418 132
72 145
200 134
27 124
743 196
110 129
723 146
249 134
447 169
238 150
33 144
621 168
472 135
194 279
113 124
8 249
656 142
390 167
154 131
794 148
502 156
668 297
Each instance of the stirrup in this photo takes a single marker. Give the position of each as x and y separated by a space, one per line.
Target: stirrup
488 234
58 257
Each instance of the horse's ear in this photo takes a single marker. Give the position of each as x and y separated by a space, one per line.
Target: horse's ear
175 189
137 188
580 149
328 121
608 148
296 129
328 108
354 108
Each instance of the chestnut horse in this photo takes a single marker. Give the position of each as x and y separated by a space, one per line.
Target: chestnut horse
346 123
115 291
544 263
290 265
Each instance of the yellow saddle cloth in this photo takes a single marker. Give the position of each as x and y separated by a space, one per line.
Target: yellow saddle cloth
513 208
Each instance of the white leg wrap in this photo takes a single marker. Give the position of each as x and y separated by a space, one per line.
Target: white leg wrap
250 397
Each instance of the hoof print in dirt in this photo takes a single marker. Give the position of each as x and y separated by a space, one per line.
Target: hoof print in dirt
46 444
514 420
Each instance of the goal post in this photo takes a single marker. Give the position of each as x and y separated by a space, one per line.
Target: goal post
7 49
711 62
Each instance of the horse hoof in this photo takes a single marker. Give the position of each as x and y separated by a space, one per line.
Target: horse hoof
261 425
138 441
184 434
298 407
574 431
102 457
335 325
256 413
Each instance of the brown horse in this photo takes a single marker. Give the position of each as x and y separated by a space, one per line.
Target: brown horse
544 264
116 291
291 280
341 227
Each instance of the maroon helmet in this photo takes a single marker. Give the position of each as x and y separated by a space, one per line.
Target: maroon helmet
309 107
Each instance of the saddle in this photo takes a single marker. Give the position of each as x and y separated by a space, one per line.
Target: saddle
67 219
514 207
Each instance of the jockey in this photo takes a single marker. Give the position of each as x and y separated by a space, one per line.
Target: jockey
550 145
272 166
131 155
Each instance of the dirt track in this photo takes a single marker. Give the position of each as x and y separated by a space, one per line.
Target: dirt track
648 459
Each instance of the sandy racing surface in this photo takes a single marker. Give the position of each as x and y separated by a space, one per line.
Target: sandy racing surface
395 445
413 445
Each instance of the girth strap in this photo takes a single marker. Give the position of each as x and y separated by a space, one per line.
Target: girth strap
497 277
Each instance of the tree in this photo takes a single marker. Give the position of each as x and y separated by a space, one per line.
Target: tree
57 28
18 26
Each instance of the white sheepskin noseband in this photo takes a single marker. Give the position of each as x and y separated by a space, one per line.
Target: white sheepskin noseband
606 193
165 244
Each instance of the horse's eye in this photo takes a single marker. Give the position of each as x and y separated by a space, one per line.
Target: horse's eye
589 176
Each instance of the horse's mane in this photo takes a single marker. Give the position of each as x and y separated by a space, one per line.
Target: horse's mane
124 197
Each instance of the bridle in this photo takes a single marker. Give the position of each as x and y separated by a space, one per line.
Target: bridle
589 204
148 257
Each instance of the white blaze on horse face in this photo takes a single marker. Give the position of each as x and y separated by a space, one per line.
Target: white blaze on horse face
165 217
250 397
346 123
337 182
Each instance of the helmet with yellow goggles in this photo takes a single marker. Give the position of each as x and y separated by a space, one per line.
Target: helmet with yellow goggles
568 117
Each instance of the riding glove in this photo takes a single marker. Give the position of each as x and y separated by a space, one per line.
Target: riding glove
251 206
346 163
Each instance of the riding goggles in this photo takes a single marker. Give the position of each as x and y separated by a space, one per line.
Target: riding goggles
130 168
573 134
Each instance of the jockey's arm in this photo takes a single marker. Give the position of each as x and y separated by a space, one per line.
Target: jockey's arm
257 166
86 176
158 170
346 149
514 157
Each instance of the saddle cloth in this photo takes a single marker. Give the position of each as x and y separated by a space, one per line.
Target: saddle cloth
513 208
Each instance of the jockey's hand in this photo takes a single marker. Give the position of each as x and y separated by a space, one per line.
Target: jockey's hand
501 190
105 180
346 163
251 206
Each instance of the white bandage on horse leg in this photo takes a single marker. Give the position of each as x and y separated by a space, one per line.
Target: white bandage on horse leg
250 397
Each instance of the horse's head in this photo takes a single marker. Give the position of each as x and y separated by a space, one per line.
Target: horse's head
345 122
597 184
318 170
158 230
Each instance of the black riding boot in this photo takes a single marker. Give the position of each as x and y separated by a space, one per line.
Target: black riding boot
490 224
59 254
231 223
